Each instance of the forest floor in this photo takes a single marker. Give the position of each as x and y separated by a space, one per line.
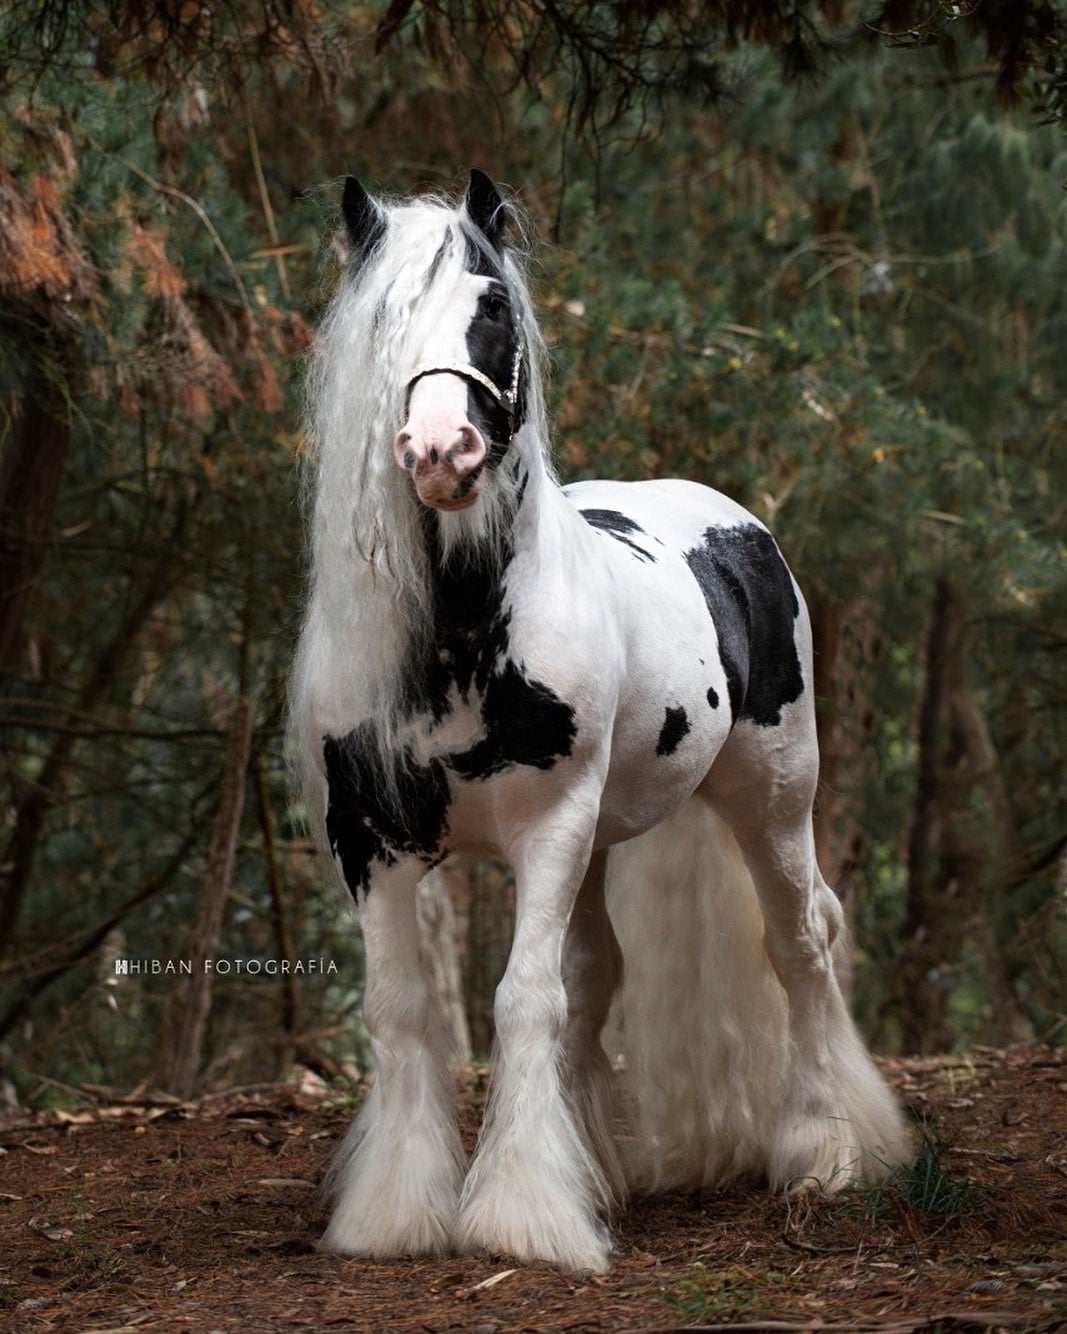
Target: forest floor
143 1213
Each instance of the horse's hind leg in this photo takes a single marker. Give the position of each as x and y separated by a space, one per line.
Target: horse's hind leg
592 971
397 1177
837 1122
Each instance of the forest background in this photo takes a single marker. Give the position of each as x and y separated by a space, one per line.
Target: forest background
813 254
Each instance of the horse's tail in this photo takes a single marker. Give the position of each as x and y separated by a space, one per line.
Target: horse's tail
700 1029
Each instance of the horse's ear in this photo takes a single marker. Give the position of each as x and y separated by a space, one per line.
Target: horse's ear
363 218
486 208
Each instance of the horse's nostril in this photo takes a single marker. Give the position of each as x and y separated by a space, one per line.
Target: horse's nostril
405 455
470 449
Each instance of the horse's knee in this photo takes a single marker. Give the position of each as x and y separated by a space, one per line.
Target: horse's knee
529 1006
394 1013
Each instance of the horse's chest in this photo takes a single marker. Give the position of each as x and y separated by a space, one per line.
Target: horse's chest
463 729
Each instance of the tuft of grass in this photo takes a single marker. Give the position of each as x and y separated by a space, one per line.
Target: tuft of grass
929 1189
343 1094
718 1296
478 1076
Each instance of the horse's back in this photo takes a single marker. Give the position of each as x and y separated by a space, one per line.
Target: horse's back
675 513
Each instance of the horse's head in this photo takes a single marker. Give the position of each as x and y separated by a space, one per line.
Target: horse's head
466 351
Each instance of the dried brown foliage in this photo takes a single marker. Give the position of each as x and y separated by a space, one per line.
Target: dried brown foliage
42 260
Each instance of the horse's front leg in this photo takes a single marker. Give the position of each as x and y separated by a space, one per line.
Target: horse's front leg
398 1173
535 1189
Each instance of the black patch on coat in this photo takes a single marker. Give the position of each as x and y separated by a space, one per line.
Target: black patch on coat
618 526
377 816
468 631
492 345
675 726
750 595
713 698
526 723
379 810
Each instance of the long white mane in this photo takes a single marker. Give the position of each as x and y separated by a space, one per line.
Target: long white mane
370 587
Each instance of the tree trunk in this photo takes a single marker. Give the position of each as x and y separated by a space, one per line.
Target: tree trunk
826 639
32 473
490 927
283 937
46 787
994 854
921 992
195 1003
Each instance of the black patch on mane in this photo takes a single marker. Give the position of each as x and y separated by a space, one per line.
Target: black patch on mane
675 726
365 825
618 526
751 598
477 258
442 250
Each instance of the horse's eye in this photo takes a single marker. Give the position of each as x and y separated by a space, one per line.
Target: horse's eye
495 307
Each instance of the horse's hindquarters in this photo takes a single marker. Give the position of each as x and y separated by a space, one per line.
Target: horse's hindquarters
734 1067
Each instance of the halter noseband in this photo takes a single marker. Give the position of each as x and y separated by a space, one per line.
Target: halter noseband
506 399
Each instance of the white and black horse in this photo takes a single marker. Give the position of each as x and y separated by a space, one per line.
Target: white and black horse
610 686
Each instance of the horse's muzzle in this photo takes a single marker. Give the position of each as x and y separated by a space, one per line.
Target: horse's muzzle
446 466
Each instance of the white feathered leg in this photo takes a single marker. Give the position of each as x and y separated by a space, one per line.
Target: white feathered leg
837 1122
399 1170
730 1072
535 1189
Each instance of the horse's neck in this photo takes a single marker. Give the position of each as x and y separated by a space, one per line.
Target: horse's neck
465 591
467 581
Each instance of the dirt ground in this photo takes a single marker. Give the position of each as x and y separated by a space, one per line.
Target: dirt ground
141 1213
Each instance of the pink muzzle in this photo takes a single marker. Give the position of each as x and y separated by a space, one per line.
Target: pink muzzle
445 458
442 451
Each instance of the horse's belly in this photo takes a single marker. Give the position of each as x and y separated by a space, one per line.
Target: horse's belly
662 749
